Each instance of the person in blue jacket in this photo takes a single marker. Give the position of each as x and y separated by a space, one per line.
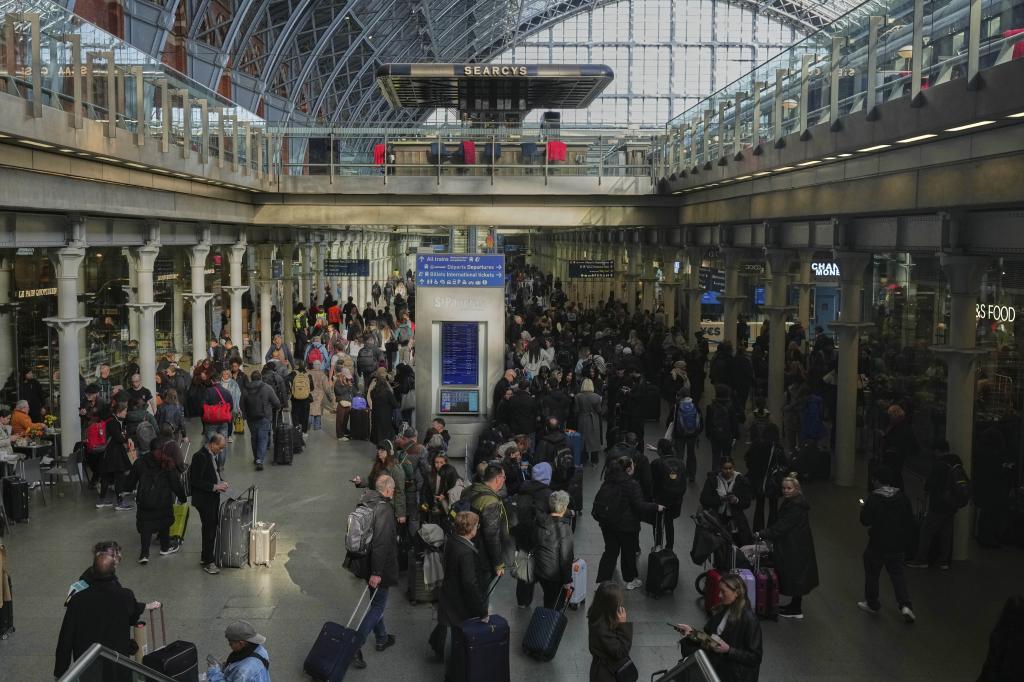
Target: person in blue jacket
248 660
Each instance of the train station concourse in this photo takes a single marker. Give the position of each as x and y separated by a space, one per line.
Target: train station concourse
461 340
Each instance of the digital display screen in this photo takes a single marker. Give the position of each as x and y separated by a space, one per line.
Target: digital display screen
591 269
710 298
460 353
759 296
459 401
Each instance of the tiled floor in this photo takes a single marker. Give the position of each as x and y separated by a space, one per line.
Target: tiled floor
307 585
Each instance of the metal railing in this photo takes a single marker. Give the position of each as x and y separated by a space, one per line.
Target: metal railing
881 51
694 668
101 663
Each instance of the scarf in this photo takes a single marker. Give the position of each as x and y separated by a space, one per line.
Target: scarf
724 490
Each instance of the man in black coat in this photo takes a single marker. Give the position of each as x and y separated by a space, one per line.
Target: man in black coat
100 612
890 520
206 486
383 565
522 411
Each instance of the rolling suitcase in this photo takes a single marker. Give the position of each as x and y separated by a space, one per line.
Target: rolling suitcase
579 584
284 445
418 591
298 442
575 439
767 590
650 402
7 614
662 565
180 524
262 543
359 424
178 660
480 651
15 496
335 647
236 518
544 633
751 584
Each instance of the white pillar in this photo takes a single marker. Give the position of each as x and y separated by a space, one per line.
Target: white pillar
286 252
199 298
731 297
178 307
668 286
694 255
778 265
804 304
131 290
304 274
320 254
66 264
7 345
265 254
142 259
236 259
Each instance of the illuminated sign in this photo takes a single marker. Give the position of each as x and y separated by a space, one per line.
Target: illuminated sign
998 313
825 269
32 293
496 70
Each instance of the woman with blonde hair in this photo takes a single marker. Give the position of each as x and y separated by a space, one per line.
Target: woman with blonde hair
793 547
590 410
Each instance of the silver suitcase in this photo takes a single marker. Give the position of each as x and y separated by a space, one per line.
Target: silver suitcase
262 543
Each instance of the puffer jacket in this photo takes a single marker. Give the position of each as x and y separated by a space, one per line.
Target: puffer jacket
553 549
632 507
259 401
493 538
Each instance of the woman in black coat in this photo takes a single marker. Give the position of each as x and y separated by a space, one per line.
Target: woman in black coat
793 548
737 651
464 591
553 549
622 530
609 634
727 494
382 407
159 482
116 460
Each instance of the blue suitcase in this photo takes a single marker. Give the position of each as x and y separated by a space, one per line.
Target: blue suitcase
480 651
575 439
545 631
335 647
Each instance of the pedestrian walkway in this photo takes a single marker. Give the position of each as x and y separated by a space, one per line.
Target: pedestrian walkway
307 585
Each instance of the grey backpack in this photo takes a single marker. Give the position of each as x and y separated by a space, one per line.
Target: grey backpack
359 534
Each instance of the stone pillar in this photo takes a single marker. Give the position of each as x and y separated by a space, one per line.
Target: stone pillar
363 283
694 255
265 254
964 275
648 271
66 264
286 252
804 304
178 305
306 282
199 298
778 265
321 281
851 273
143 258
633 271
8 349
130 291
236 259
668 286
732 297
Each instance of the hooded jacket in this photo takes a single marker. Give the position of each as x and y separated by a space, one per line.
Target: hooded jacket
890 520
259 401
793 547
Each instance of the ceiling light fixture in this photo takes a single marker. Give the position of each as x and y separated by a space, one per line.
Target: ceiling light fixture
875 148
1020 115
4 136
845 156
814 162
33 143
968 126
107 159
917 138
743 177
762 174
830 158
782 169
135 165
161 170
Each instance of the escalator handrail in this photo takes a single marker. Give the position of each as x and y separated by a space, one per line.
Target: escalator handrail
96 651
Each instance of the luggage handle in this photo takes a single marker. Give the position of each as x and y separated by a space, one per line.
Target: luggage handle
659 532
365 611
151 630
567 593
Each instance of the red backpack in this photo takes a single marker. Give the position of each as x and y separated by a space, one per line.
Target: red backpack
96 437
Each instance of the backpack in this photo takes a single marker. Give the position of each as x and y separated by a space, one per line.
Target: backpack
811 425
359 533
314 355
564 465
278 384
300 385
365 361
96 437
607 503
720 425
674 483
958 487
149 494
687 421
144 435
359 403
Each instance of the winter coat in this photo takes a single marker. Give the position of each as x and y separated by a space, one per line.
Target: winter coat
532 503
1005 659
710 500
493 539
721 408
521 412
102 613
157 490
890 520
321 387
464 591
549 445
397 474
632 506
115 457
448 476
553 549
173 415
384 404
557 404
384 545
590 420
248 669
793 547
202 477
259 401
609 645
743 662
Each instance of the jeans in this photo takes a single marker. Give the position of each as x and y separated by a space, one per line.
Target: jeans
936 524
315 422
616 542
686 450
374 619
222 429
893 563
165 541
259 430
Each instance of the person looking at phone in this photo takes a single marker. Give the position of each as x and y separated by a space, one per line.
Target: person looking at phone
731 637
610 634
248 660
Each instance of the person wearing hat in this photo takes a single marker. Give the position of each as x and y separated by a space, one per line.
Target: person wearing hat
248 660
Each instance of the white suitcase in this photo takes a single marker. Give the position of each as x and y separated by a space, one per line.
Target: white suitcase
579 584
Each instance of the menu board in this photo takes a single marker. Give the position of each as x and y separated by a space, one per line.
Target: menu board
459 401
460 353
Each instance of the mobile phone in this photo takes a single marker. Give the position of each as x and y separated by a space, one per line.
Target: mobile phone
210 660
861 500
672 625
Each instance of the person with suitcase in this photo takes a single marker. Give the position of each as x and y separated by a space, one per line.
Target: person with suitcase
793 548
259 405
205 486
248 661
610 635
618 507
553 551
669 478
159 485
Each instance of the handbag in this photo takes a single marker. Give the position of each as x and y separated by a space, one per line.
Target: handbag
239 423
523 568
218 413
344 403
626 671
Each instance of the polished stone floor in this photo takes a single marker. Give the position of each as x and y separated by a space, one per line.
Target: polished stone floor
307 585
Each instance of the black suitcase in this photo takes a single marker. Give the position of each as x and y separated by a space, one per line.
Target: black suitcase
359 424
479 651
178 660
335 647
236 516
662 566
418 592
284 445
7 614
15 495
298 442
544 633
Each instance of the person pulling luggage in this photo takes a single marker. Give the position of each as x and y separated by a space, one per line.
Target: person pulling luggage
206 486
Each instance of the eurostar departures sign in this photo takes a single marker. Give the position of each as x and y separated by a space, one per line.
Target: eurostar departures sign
591 269
459 270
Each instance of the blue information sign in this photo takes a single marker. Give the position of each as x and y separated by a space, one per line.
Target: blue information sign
459 270
460 353
346 267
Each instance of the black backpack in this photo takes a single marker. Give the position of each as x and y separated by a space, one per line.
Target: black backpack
721 421
565 464
674 483
607 503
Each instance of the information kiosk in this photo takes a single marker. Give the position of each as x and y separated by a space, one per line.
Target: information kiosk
460 342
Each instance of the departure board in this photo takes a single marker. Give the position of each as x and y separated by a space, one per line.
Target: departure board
460 353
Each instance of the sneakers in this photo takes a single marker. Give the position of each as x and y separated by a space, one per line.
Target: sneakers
358 662
259 466
171 550
916 564
104 503
786 612
124 506
344 439
144 559
390 641
866 608
908 615
634 584
211 568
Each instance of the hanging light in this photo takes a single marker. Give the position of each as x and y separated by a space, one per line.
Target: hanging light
790 104
906 52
